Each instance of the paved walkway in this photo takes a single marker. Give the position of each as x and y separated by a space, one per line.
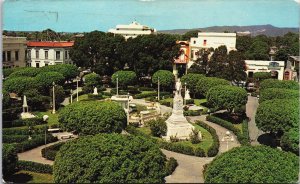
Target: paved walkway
251 108
67 100
164 109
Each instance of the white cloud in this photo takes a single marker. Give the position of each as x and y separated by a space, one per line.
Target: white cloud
297 1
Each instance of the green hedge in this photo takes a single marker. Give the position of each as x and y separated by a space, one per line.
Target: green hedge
152 94
34 167
50 151
14 138
176 147
24 130
191 113
214 149
28 122
243 139
171 166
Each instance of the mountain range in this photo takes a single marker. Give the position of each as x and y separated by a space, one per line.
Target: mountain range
254 30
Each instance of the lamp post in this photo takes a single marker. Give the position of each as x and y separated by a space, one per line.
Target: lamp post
184 93
158 88
117 84
228 137
77 80
71 96
127 108
53 95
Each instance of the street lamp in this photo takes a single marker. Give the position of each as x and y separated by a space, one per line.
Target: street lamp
228 137
185 93
158 88
53 95
71 96
77 80
117 84
127 108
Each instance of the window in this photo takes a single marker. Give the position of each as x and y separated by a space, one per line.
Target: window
66 54
17 55
57 53
8 56
204 42
37 54
46 54
37 65
46 64
29 54
194 41
3 56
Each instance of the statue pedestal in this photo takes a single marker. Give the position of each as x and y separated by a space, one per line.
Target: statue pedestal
177 124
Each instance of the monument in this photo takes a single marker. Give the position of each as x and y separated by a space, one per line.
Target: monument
177 124
26 114
95 91
187 95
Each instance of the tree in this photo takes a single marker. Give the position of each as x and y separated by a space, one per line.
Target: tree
166 78
109 158
277 93
46 79
273 83
188 35
158 127
69 71
201 65
6 99
90 81
259 50
20 84
236 67
191 80
205 83
218 62
36 101
253 164
278 115
243 43
259 76
227 97
93 117
290 140
125 78
9 160
25 72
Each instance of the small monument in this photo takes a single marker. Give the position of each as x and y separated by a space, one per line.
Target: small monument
187 95
177 124
25 114
95 91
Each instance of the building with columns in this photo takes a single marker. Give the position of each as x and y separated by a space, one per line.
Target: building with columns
14 52
275 67
132 30
207 40
48 53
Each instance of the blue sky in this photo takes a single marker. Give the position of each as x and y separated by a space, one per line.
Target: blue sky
89 15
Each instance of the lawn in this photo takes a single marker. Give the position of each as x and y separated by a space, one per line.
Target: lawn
53 118
205 143
30 177
199 101
238 126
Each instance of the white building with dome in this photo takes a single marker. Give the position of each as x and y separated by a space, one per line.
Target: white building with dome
132 30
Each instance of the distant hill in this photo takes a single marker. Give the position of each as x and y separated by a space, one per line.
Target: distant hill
268 30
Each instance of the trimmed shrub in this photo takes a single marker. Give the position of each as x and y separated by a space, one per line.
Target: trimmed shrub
14 138
158 127
290 141
277 115
253 164
171 166
146 89
69 71
93 117
190 101
9 160
45 79
191 80
51 151
227 97
214 149
262 75
125 78
20 84
166 78
24 130
205 83
28 122
194 136
34 167
91 80
277 93
111 158
243 139
191 113
26 72
273 83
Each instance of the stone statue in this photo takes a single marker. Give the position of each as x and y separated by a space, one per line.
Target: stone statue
157 107
95 91
178 86
187 95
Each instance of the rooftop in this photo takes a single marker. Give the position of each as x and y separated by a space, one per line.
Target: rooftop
50 44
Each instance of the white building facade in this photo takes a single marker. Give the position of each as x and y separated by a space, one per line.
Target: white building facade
211 40
132 30
42 54
275 67
14 52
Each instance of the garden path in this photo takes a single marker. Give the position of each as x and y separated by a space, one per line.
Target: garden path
67 100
